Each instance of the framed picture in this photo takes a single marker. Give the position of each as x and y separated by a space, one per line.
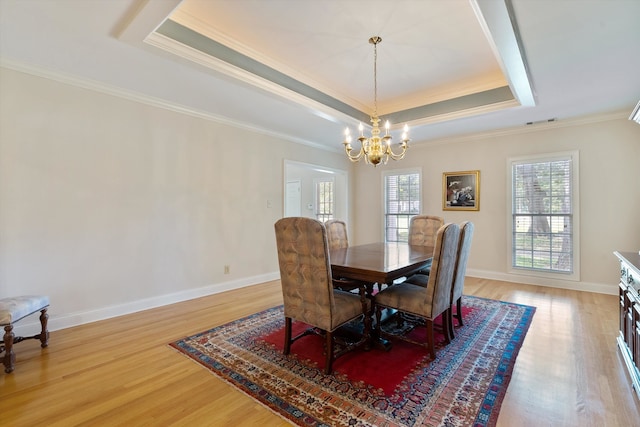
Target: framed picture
461 191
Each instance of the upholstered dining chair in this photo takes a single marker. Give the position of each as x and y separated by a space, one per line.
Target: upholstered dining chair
337 234
430 301
338 239
307 289
422 231
459 271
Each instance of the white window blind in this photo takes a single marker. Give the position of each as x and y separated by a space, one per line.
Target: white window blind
402 201
543 214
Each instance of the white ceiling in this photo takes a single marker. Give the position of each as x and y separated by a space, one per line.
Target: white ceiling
448 68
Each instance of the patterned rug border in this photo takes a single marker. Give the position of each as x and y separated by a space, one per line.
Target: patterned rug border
488 410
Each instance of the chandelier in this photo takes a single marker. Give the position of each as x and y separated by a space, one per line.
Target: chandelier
375 149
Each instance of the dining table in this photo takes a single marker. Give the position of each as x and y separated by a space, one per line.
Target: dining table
381 262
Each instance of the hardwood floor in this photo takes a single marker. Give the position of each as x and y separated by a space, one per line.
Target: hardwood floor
121 371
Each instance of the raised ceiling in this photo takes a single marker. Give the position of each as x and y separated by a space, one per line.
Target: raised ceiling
318 53
303 69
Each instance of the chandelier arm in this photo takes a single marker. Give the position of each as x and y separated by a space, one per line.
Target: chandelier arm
398 156
354 157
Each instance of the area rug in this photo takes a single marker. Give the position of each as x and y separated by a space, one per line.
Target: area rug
463 386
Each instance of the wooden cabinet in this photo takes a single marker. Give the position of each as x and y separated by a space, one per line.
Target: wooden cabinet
636 337
629 336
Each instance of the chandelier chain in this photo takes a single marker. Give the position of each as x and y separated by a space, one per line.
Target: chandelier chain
375 149
375 78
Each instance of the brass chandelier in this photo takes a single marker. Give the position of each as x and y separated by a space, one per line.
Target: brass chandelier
375 149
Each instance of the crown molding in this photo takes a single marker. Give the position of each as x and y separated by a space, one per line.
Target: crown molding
537 127
96 86
159 103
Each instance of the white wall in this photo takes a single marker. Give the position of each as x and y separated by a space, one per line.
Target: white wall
609 153
110 206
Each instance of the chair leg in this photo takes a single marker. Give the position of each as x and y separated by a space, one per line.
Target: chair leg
378 319
44 334
329 350
430 340
287 335
448 336
459 311
452 329
9 358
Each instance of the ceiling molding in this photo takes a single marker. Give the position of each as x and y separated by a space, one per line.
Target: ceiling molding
463 106
95 86
195 43
155 102
143 19
523 129
188 44
499 23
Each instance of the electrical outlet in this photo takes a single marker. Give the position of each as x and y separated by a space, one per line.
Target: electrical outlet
227 269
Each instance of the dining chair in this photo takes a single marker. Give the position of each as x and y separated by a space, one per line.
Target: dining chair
425 302
338 239
337 234
422 231
307 288
459 272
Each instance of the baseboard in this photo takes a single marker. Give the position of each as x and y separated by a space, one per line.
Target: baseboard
68 320
599 288
31 325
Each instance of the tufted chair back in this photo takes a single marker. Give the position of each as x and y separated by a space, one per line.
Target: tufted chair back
305 271
423 229
438 292
337 234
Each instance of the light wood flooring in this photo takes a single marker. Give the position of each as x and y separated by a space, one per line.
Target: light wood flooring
121 371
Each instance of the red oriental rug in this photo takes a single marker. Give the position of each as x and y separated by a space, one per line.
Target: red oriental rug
463 386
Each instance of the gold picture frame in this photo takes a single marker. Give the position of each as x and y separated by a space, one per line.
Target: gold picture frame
461 191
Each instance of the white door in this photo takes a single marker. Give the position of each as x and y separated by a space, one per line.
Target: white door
292 199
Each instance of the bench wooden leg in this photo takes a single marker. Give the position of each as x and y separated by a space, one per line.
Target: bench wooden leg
9 358
44 334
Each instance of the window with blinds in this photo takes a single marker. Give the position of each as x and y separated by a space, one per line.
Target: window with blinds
324 200
402 201
543 196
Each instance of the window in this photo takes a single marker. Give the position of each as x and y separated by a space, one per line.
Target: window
324 200
544 218
402 201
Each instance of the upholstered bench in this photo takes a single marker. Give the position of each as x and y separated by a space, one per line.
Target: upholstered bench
14 309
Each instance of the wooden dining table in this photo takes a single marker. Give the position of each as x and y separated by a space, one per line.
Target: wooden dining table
380 263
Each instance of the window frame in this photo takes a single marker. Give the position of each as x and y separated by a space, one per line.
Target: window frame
316 187
574 158
398 172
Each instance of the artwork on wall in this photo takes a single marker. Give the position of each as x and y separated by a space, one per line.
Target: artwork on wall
461 191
